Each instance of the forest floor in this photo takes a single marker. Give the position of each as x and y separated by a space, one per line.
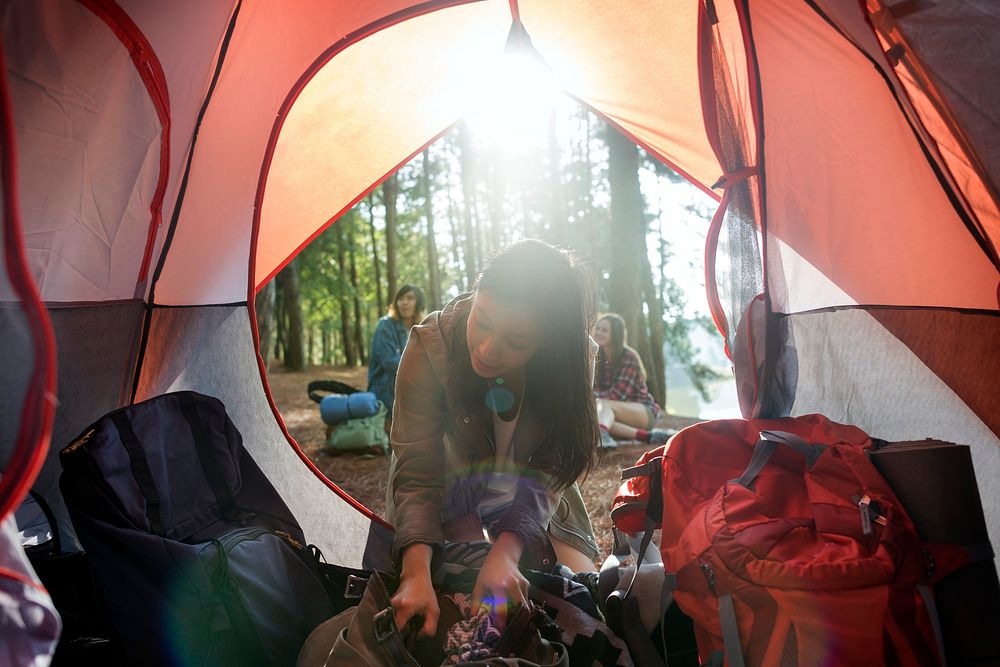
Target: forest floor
364 476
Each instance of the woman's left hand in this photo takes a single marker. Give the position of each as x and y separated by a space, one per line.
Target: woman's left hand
500 584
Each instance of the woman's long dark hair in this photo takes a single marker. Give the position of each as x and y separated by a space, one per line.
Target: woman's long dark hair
619 343
556 285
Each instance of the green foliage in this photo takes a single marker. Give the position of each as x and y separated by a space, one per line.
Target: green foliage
677 334
557 191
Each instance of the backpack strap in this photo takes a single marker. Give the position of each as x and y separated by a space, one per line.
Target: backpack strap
623 613
730 631
140 469
765 448
928 597
209 464
654 508
330 387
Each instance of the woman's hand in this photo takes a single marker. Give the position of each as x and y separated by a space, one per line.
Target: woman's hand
500 584
415 596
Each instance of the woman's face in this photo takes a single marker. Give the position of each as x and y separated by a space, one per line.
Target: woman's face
602 333
406 305
502 336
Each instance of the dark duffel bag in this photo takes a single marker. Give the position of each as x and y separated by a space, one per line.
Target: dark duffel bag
198 557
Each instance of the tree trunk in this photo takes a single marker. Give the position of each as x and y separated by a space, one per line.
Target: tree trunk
468 203
628 241
588 190
456 241
390 189
294 354
345 316
494 200
359 342
656 369
326 343
433 276
557 213
375 260
280 318
264 309
310 345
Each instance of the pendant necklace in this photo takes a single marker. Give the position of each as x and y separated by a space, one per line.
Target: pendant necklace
499 398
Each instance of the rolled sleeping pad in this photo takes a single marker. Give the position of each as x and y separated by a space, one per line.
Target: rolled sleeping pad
337 408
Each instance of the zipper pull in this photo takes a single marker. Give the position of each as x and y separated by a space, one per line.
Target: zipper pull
709 574
864 506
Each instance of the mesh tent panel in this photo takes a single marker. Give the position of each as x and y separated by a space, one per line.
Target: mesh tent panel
210 349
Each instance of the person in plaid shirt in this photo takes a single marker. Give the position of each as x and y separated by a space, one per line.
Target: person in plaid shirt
625 409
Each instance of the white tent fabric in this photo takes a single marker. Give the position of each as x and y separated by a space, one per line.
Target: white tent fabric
87 123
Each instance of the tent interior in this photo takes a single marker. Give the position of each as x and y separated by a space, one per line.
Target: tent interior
162 162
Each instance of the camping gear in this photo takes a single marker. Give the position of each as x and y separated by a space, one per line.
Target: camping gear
637 600
783 542
85 637
355 419
366 434
936 483
339 401
156 186
567 597
367 635
197 556
30 623
335 409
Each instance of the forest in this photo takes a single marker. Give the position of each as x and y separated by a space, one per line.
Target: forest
566 177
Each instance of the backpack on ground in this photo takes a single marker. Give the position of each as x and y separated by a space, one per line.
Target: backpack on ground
199 559
784 545
355 420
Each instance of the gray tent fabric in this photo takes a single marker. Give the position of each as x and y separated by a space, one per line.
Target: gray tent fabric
97 346
210 349
896 397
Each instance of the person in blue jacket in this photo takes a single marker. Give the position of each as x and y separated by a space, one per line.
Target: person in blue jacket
389 340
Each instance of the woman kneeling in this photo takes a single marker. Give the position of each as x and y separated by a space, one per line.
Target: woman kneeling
493 425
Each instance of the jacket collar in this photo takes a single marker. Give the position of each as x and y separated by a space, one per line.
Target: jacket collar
438 333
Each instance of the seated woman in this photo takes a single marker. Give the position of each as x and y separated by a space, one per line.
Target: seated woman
494 424
389 340
625 409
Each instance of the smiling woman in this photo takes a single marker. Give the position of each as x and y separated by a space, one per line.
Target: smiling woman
494 424
388 342
502 337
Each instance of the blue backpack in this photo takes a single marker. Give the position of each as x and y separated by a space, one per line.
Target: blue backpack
198 557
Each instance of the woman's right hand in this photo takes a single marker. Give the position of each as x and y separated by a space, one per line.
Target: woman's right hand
415 596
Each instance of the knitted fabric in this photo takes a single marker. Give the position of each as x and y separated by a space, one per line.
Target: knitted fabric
475 637
566 598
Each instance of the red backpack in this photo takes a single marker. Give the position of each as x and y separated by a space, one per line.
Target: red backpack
784 545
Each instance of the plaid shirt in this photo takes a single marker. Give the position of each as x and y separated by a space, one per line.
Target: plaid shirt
623 382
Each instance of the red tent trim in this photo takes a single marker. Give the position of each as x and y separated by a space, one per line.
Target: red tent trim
941 170
148 66
38 410
181 190
293 94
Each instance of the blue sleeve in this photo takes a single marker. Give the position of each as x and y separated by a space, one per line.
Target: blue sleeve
385 350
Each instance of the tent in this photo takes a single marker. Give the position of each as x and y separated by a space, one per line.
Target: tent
162 161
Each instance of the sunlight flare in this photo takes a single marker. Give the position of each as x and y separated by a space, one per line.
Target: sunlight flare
510 104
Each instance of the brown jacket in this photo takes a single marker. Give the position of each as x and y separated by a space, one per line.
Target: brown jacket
442 451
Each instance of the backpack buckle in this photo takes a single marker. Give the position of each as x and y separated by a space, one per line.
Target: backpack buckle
355 587
384 624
